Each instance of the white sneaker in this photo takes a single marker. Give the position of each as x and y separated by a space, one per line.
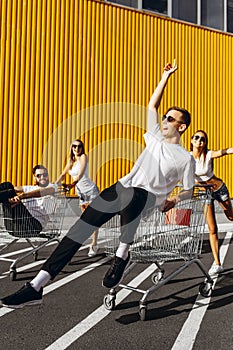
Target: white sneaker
93 251
215 270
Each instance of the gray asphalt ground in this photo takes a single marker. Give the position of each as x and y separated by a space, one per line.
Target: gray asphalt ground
72 315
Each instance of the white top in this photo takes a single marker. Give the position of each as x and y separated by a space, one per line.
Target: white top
161 165
204 170
40 207
85 184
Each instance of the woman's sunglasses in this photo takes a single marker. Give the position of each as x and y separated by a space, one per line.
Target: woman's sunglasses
77 146
170 119
197 137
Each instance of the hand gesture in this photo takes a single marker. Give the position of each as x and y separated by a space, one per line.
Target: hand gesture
169 204
14 201
169 69
67 187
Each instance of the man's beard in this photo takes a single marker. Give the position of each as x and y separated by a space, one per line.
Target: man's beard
43 185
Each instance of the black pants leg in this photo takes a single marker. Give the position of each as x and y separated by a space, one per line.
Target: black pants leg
17 219
6 191
128 202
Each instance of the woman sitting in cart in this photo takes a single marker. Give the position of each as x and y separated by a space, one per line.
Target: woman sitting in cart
204 175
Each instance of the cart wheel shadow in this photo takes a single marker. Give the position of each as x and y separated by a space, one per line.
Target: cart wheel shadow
223 290
171 309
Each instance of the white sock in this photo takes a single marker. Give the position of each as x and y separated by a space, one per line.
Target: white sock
123 250
41 279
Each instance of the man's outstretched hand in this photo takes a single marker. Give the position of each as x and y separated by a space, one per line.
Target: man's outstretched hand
169 69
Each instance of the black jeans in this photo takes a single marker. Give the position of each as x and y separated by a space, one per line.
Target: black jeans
17 220
129 203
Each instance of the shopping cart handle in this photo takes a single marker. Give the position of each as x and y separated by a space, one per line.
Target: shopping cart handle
64 187
207 186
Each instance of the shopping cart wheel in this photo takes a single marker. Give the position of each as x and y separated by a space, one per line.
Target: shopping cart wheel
157 276
12 275
205 289
109 301
142 312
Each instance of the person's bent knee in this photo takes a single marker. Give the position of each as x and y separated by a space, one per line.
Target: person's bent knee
6 191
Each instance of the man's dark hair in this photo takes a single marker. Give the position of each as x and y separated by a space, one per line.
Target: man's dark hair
38 166
185 114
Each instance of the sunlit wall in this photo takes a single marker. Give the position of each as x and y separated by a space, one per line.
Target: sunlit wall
86 69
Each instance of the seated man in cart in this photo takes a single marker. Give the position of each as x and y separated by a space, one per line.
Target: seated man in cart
159 168
26 209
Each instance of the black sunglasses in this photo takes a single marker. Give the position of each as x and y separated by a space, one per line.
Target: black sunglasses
170 119
40 175
77 146
197 137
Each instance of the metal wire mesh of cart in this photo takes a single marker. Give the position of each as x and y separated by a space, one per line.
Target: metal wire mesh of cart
176 234
112 231
39 222
35 219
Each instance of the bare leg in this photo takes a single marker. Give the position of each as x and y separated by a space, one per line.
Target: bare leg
93 246
227 208
94 238
213 232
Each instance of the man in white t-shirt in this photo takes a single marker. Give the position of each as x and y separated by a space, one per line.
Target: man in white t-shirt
156 172
26 209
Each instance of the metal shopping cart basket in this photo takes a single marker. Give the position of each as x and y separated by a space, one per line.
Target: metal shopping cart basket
161 237
19 225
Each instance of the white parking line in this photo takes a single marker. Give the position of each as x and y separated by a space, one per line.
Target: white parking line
85 325
188 333
15 252
51 287
75 275
39 262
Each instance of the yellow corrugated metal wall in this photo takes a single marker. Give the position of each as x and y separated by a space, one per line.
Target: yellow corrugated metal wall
85 68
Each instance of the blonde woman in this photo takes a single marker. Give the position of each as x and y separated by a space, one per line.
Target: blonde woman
204 175
77 168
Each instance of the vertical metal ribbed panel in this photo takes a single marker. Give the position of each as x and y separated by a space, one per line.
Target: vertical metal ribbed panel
86 69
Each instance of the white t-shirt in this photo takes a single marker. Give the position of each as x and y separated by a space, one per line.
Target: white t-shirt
204 170
161 166
85 184
40 208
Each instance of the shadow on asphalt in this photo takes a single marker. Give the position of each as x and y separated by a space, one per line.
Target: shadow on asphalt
206 246
223 292
175 307
222 295
160 312
80 262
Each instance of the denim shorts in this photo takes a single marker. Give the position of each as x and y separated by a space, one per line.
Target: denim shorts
88 197
222 194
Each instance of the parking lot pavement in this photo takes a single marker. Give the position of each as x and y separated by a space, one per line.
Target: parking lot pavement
73 316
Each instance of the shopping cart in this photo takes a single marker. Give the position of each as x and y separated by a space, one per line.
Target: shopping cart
21 226
161 237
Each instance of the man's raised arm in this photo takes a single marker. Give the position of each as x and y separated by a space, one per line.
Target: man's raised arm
158 93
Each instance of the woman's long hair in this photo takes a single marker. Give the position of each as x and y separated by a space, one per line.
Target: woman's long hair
205 149
71 155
